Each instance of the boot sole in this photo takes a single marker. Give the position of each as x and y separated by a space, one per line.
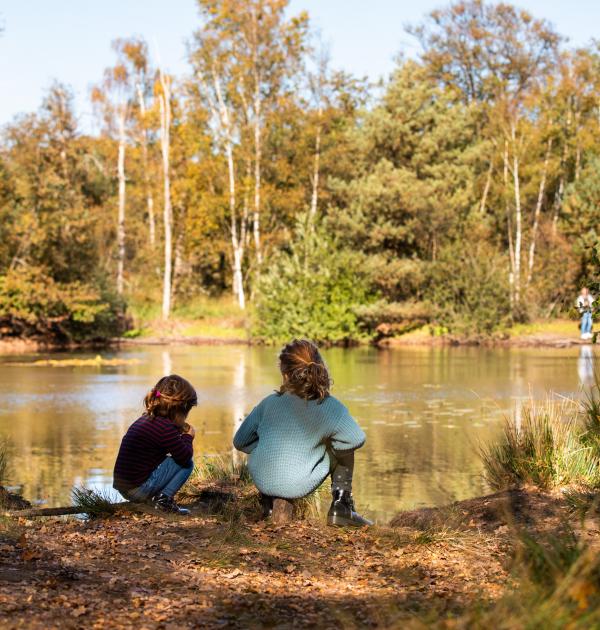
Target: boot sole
342 521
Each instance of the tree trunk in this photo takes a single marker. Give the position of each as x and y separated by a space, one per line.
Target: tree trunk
121 216
237 238
165 139
257 175
315 178
511 253
560 190
147 185
536 214
518 222
486 189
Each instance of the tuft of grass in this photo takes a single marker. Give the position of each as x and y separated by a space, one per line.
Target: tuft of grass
545 560
310 506
591 419
3 461
435 534
92 503
548 450
223 470
557 586
582 501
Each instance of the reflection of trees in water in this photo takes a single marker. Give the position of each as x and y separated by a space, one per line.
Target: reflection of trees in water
167 363
66 424
585 365
239 402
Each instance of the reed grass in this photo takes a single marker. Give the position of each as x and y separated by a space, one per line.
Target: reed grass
551 448
93 504
223 470
3 461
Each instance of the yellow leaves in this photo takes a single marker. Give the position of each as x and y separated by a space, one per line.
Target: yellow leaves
581 591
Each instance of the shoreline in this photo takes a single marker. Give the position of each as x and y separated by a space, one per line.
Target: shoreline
31 346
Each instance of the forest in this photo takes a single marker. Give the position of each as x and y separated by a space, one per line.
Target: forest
461 193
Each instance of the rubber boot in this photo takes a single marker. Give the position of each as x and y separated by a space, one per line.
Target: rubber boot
266 503
167 504
342 512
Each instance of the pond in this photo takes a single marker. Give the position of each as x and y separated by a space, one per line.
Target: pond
425 411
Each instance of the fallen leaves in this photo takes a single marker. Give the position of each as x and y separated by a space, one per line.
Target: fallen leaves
152 572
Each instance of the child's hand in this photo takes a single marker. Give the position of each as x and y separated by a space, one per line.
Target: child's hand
189 429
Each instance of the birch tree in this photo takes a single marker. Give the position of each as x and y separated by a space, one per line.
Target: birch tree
113 97
265 52
163 93
134 53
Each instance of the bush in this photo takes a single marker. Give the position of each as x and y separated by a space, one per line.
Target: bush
312 289
469 289
548 450
393 318
34 305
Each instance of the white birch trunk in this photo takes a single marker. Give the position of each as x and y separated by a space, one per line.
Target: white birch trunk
315 183
121 213
257 175
237 240
518 218
511 253
165 140
147 186
537 212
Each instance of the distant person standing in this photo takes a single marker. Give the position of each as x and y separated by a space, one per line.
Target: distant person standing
584 305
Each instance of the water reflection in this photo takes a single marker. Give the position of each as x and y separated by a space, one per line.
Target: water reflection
425 410
585 365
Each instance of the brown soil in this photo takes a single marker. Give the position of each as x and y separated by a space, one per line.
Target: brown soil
231 570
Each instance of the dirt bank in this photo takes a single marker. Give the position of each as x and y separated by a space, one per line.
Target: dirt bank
209 570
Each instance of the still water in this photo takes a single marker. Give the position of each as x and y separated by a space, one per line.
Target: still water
424 410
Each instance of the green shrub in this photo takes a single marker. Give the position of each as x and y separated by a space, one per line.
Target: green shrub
311 289
469 289
548 450
33 305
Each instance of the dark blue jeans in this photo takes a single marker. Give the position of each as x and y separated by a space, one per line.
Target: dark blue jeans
167 478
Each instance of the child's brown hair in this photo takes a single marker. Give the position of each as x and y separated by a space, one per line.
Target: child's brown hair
172 397
304 371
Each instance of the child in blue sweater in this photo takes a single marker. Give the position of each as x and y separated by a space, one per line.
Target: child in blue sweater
298 436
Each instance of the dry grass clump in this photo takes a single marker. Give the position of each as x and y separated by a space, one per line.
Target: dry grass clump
551 448
92 503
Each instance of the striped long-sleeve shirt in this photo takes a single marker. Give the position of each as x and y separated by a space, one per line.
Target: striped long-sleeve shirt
145 445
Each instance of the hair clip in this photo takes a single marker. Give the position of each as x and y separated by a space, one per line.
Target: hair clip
156 394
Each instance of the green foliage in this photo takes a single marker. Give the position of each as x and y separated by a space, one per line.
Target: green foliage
548 450
311 289
581 217
32 303
469 289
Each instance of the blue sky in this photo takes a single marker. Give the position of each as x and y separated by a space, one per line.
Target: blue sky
70 40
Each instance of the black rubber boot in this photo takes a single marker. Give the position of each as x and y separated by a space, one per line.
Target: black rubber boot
167 504
266 503
342 512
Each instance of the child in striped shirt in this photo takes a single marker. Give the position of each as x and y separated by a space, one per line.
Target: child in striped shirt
155 457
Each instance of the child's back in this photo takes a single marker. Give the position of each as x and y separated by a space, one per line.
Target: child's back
287 438
298 436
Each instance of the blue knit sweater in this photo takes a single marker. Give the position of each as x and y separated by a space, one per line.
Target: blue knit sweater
287 439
